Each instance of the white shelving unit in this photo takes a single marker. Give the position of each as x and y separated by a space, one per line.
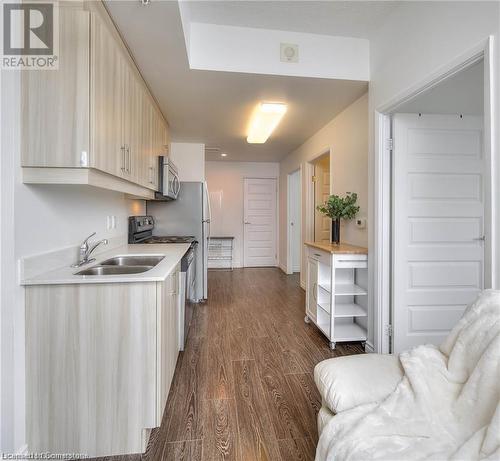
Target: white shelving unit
220 253
336 291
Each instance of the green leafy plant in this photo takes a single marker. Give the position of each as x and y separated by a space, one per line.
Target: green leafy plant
337 207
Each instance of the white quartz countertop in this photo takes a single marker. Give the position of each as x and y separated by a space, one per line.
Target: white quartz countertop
172 252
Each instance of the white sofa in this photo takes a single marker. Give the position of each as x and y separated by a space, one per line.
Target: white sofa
440 403
346 382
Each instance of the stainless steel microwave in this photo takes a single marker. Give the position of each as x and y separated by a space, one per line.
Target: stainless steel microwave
169 184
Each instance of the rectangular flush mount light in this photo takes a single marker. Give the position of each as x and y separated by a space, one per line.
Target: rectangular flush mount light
264 120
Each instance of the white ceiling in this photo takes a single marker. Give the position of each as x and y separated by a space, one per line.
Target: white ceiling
461 94
214 107
341 18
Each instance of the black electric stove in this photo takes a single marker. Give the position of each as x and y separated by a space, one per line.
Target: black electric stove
140 230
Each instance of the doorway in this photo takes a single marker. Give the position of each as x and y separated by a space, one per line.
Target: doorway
438 201
259 230
294 230
321 180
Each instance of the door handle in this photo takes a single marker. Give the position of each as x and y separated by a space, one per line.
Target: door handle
246 222
482 238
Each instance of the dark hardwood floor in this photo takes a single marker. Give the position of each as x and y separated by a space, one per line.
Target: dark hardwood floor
243 388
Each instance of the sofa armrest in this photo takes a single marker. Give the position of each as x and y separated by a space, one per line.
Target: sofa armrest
346 382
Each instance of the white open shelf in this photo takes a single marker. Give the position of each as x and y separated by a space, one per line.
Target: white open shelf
325 286
349 289
349 332
325 328
349 310
326 306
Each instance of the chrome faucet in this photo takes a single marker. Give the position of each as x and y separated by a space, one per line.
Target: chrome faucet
86 250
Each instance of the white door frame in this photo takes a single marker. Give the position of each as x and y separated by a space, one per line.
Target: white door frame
289 262
380 254
310 210
276 221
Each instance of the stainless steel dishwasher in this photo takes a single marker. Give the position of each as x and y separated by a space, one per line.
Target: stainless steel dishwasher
188 301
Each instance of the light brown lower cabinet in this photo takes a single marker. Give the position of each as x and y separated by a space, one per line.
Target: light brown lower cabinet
99 363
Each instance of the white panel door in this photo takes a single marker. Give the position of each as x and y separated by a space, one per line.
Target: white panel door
437 224
259 222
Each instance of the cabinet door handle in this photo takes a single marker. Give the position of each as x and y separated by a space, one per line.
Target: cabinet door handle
150 175
123 158
315 287
317 254
129 162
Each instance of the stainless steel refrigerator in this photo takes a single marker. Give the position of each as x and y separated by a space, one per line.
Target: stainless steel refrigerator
188 215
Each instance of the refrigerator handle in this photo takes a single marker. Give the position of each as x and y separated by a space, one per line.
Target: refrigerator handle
208 221
205 185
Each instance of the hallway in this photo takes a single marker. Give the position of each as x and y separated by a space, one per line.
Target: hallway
243 389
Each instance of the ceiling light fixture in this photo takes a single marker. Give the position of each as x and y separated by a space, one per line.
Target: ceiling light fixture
264 120
223 155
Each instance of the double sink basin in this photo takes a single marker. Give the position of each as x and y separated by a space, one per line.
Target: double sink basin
123 265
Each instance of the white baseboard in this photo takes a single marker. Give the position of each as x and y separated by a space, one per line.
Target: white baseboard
303 285
283 268
369 347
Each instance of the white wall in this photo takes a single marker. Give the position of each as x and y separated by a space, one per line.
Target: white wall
256 51
347 138
36 219
416 41
225 186
189 158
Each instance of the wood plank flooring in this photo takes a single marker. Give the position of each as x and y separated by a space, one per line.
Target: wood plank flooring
243 389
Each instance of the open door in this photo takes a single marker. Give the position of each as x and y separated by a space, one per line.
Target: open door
438 231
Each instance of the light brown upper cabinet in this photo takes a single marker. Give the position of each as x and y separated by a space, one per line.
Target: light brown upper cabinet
95 113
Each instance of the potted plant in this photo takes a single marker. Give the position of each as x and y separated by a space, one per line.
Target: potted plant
337 208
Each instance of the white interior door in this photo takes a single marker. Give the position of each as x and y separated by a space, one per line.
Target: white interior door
259 222
438 209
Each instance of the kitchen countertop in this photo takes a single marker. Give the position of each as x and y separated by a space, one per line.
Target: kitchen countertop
342 248
172 252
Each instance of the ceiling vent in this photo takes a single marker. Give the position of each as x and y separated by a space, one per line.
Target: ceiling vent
289 52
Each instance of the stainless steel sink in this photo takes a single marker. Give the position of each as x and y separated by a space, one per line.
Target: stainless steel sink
114 270
132 261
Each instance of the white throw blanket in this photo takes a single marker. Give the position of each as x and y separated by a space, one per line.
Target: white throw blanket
445 408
